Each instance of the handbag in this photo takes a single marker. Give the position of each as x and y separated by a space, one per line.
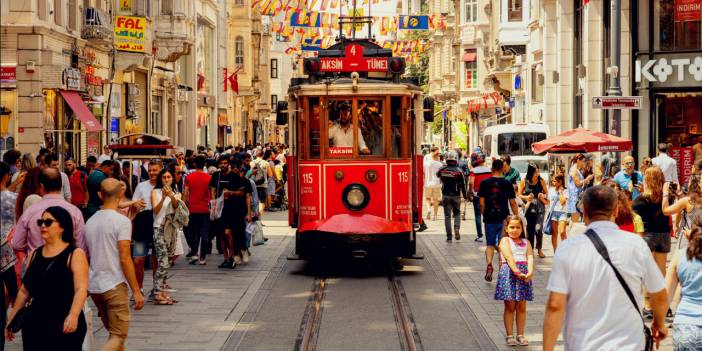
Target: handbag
547 220
599 245
21 316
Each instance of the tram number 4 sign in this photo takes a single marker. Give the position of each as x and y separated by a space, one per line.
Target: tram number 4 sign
617 102
353 61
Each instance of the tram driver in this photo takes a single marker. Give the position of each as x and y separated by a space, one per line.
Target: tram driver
341 133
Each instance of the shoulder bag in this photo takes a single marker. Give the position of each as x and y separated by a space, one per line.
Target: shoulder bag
599 245
21 316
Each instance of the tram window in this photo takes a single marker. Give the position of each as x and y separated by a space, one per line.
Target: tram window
314 131
370 125
341 130
396 126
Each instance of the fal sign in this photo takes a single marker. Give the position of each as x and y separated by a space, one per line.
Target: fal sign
660 70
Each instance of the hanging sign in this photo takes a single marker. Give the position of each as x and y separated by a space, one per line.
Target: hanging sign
688 10
684 158
8 74
125 6
129 33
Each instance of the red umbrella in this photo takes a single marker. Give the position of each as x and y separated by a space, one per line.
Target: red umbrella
582 140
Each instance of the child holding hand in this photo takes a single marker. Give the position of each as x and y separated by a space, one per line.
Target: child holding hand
514 285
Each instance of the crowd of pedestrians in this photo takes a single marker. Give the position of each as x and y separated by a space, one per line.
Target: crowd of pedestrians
71 231
611 230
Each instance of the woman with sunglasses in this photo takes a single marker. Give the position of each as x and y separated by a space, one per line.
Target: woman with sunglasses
56 281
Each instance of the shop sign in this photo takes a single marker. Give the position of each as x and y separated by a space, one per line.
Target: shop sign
129 33
617 102
91 78
659 70
71 78
125 6
8 74
684 158
688 10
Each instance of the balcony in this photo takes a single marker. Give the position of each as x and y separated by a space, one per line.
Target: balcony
173 30
96 26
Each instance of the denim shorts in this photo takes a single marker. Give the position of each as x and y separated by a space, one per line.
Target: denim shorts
658 242
687 337
558 216
141 248
492 233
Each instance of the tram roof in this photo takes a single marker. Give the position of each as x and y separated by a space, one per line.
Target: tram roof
344 86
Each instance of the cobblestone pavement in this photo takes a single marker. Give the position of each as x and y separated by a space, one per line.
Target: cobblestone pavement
213 301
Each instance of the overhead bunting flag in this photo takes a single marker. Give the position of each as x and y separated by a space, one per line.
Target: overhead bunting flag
307 19
414 22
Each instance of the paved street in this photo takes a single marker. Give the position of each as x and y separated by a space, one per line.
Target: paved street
259 306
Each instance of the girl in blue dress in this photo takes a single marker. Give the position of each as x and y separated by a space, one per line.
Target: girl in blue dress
514 285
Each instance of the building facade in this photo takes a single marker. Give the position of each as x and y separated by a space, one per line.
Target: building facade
667 70
56 59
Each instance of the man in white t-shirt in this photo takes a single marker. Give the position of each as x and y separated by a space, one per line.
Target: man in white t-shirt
432 183
598 313
106 154
341 132
666 163
109 235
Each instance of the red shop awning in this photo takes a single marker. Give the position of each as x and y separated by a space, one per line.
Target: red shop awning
582 140
81 111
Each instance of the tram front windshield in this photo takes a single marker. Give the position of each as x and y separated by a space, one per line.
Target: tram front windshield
368 130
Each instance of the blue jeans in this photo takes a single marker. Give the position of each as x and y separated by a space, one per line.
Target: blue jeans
687 337
492 233
478 216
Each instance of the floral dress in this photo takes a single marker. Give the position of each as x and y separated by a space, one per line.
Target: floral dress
8 199
509 286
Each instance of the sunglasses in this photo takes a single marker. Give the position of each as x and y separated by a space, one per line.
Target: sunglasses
629 163
47 222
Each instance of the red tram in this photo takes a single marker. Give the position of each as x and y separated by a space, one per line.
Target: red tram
355 129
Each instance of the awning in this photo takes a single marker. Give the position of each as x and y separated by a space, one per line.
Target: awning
81 111
469 56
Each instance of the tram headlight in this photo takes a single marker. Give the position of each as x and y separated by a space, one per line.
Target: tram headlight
355 197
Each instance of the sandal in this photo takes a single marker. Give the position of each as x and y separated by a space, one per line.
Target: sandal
541 254
163 302
511 341
488 273
521 339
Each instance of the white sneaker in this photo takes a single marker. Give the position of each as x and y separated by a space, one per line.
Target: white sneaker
202 262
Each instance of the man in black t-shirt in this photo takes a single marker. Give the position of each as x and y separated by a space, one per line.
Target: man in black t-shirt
217 183
496 197
237 204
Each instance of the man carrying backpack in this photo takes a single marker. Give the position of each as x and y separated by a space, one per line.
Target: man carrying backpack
453 185
260 171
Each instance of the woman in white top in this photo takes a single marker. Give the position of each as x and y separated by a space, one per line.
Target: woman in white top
558 196
162 196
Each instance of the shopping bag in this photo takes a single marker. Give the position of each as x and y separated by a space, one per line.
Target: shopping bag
257 234
216 207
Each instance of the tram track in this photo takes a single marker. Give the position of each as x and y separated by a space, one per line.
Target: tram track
408 336
312 319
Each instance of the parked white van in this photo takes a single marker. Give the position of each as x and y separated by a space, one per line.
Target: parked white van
515 140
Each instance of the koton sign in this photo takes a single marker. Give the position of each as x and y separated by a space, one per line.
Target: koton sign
617 102
660 70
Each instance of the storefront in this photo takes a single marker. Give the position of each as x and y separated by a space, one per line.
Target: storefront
668 74
8 107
